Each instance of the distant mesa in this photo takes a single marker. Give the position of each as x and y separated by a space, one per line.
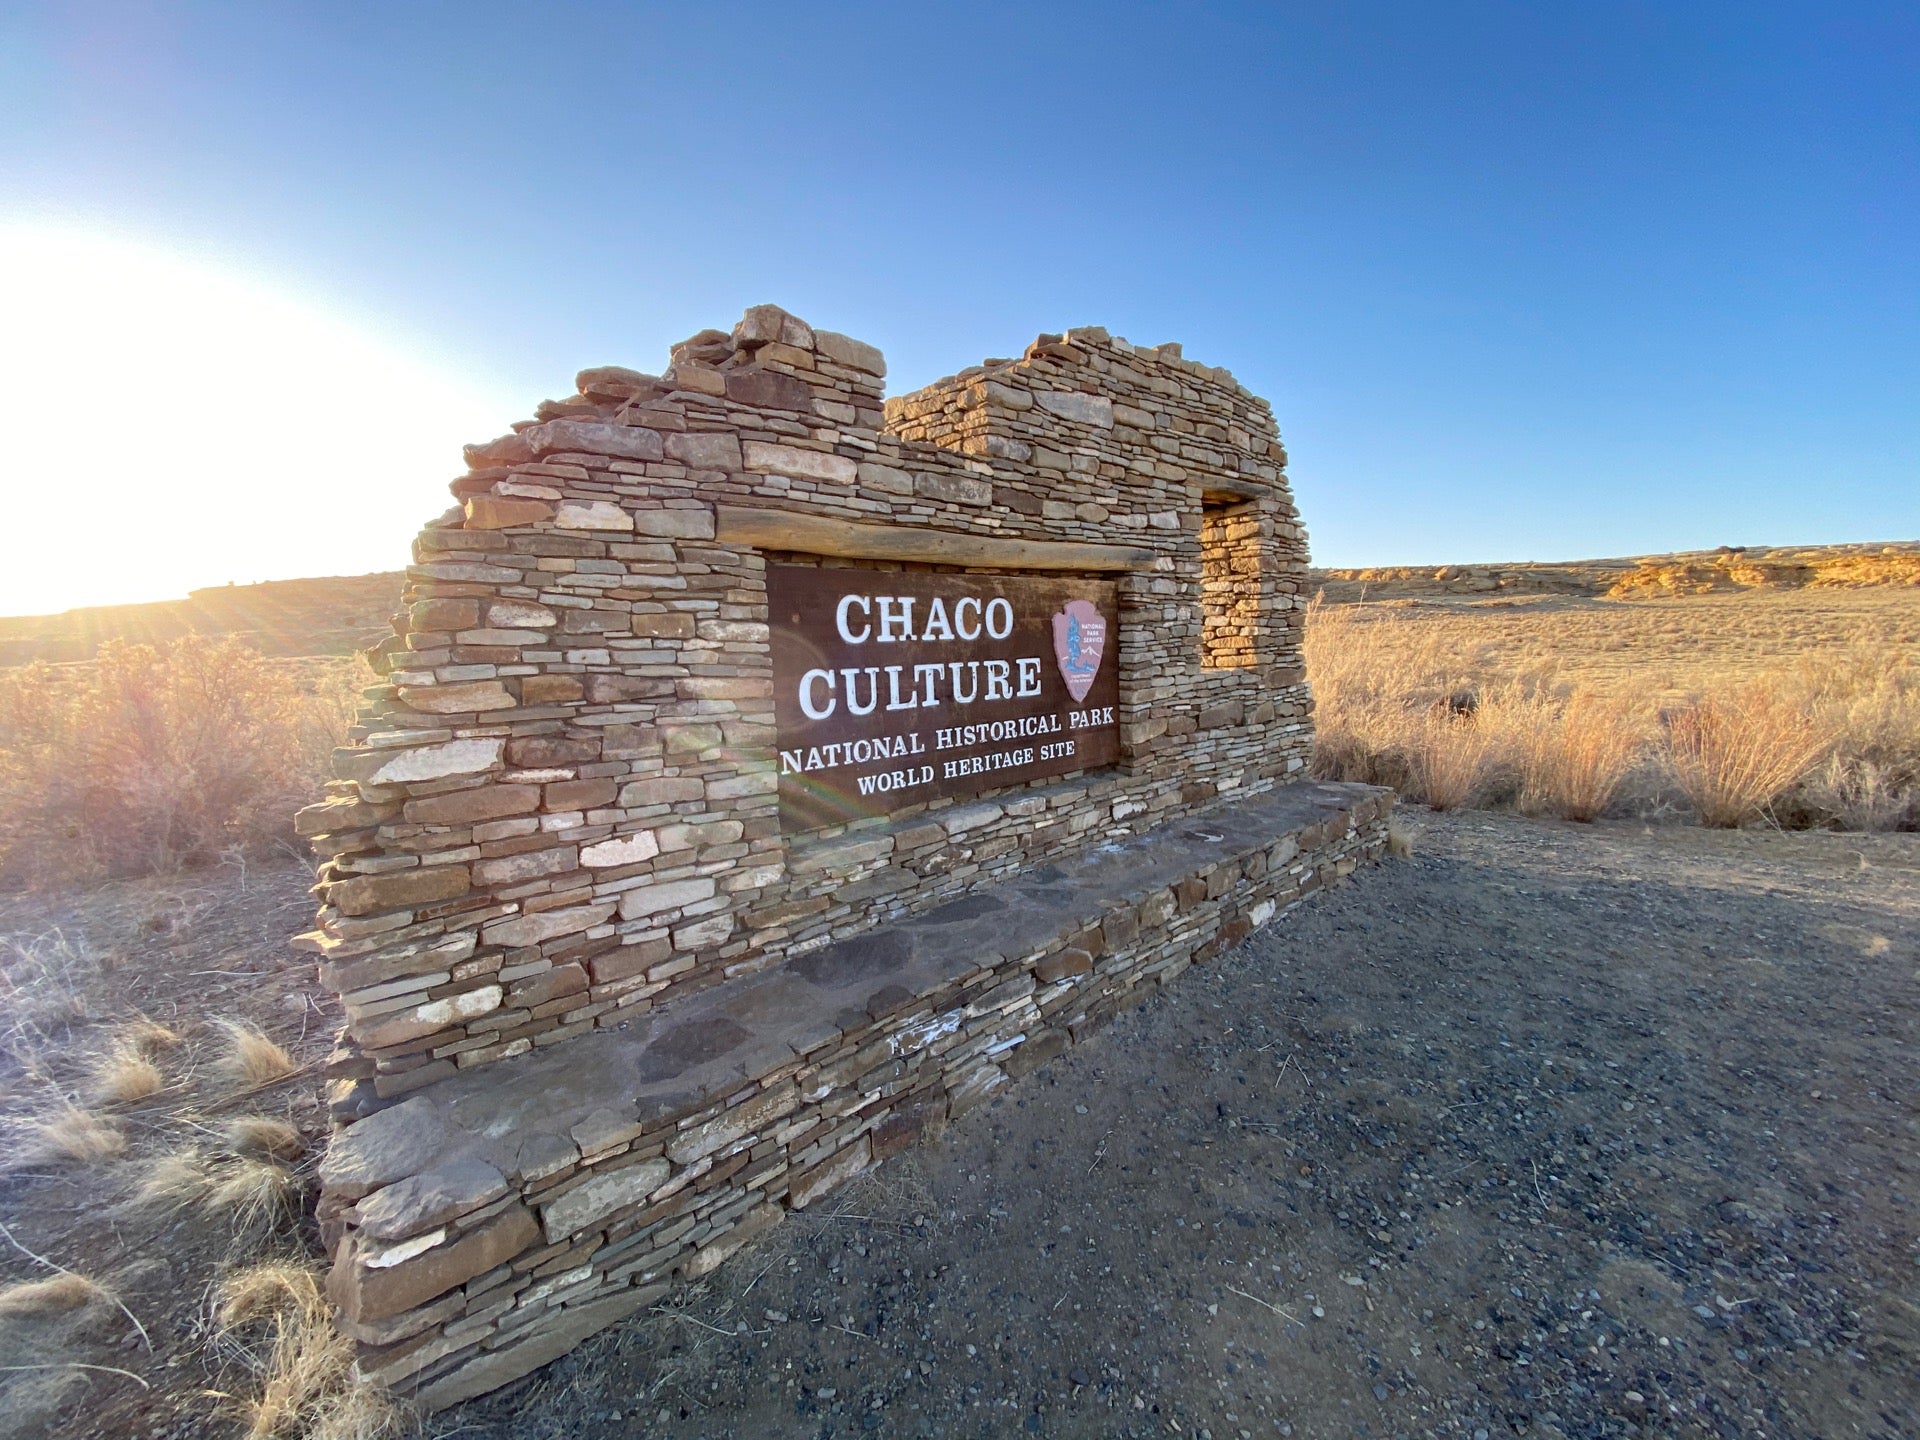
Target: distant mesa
1730 569
327 615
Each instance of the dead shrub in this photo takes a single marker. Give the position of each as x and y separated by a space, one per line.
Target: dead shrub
52 1295
1733 755
1854 794
263 1135
256 1191
152 758
175 1180
147 1036
251 1058
45 985
124 1076
76 1135
1868 697
1572 755
1451 760
303 1366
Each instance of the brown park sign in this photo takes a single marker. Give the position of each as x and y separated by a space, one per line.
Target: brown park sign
891 688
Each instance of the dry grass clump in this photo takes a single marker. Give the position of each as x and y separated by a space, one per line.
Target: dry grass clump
1734 755
251 1058
263 1135
124 1076
303 1365
176 1180
250 1184
1859 794
256 1191
147 1036
1450 757
56 1293
262 1291
1572 755
153 758
76 1135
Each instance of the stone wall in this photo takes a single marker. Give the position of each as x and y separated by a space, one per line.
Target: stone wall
558 810
606 1019
493 1221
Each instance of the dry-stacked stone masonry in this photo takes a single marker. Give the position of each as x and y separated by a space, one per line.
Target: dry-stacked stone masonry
610 1011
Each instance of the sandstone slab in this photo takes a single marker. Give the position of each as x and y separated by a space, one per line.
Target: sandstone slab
373 1294
421 1202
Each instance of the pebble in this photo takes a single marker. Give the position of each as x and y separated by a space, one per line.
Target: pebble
1079 1376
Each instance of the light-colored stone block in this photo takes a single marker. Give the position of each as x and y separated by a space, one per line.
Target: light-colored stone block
599 1196
769 458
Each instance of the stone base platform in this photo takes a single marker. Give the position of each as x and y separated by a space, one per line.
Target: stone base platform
490 1222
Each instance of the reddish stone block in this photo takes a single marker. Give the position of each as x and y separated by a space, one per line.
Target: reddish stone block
368 894
1041 1047
447 615
464 807
1062 965
552 985
540 752
625 961
550 689
502 512
365 1294
580 794
908 1124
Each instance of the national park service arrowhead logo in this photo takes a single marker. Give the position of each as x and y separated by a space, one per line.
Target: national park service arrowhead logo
1079 640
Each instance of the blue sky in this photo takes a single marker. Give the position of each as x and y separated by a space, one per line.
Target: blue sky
1521 281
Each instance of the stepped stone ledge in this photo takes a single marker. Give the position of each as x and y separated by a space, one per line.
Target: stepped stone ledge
636 1156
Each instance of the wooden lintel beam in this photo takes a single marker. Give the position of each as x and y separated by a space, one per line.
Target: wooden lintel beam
816 535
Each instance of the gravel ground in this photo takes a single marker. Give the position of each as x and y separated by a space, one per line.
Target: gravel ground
1550 1130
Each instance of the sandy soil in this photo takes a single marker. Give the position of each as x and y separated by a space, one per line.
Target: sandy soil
74 967
1550 1130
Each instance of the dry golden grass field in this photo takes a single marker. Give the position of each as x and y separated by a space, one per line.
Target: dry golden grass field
1668 651
1798 707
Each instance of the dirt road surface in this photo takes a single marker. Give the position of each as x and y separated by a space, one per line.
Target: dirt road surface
1550 1130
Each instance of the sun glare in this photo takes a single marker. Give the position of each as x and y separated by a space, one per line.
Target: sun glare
170 426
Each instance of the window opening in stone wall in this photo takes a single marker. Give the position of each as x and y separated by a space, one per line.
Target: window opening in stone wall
1229 582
